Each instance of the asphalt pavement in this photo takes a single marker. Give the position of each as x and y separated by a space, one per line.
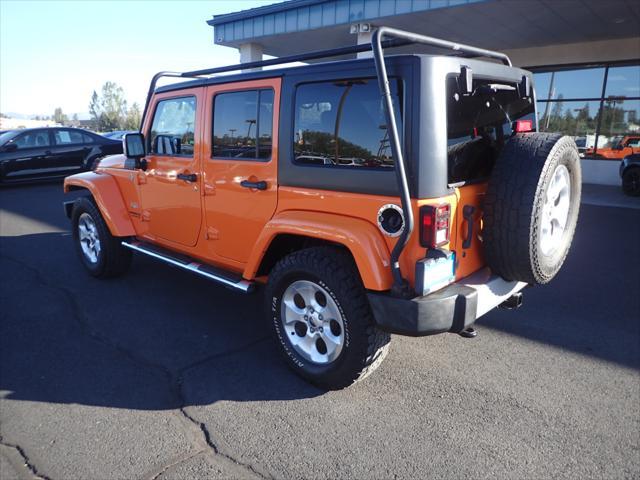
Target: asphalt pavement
163 375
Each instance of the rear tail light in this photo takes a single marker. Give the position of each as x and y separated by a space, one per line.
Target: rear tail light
523 126
435 225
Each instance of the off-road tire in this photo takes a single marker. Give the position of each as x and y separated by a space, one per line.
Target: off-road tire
513 206
113 259
631 181
365 346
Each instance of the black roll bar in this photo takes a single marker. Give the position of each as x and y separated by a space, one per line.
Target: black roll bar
400 285
396 38
314 55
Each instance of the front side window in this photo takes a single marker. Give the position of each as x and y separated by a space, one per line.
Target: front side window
173 127
343 124
243 124
68 137
39 138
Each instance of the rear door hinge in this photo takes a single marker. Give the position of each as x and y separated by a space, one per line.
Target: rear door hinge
211 233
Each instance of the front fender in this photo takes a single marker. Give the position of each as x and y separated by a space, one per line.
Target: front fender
106 193
363 240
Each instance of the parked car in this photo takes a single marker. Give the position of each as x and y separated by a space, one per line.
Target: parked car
37 153
618 148
117 134
344 261
630 175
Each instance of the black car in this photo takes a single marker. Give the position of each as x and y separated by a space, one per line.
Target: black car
38 153
630 174
118 134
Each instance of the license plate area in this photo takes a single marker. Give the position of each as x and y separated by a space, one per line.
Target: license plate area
434 273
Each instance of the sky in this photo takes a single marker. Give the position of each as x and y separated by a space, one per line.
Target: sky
56 53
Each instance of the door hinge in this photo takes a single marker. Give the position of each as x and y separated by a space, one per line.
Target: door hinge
146 216
209 189
211 233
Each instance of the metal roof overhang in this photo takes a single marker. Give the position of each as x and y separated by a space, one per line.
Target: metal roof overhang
298 26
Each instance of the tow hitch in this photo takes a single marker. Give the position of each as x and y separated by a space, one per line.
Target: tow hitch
469 332
513 302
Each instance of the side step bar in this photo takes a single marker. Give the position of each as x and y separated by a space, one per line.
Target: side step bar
225 278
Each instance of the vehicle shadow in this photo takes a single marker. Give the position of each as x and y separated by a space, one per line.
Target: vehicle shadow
131 342
592 307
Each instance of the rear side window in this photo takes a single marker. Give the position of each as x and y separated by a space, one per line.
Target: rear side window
39 138
243 125
86 138
342 124
68 137
173 127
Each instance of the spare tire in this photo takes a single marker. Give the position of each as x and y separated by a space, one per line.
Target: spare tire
531 207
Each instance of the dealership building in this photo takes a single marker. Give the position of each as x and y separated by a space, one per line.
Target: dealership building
585 53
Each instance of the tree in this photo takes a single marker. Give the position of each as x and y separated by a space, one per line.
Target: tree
108 110
60 117
94 109
134 117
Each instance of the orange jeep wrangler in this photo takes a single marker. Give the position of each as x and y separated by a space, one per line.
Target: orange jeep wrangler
405 194
618 148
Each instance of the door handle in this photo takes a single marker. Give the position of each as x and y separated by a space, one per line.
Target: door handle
47 152
187 177
467 213
261 185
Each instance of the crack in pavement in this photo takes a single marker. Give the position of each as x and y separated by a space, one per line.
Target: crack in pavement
27 462
175 463
174 380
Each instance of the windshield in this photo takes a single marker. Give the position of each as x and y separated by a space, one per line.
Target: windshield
6 136
615 142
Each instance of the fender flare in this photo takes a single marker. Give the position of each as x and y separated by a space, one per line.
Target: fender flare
360 237
106 193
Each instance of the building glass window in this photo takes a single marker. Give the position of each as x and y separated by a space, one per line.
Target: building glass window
581 83
342 124
623 81
598 106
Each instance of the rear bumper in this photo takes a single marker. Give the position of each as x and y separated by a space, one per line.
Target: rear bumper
451 309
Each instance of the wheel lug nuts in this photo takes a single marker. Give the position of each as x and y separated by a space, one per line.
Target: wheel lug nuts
319 317
306 317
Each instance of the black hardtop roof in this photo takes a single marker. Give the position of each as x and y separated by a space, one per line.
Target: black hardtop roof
281 72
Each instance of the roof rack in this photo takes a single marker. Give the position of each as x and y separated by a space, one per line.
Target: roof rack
408 39
396 38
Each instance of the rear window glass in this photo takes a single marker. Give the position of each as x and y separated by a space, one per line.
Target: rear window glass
342 124
478 124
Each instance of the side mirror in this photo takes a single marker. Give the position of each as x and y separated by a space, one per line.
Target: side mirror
9 147
133 145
